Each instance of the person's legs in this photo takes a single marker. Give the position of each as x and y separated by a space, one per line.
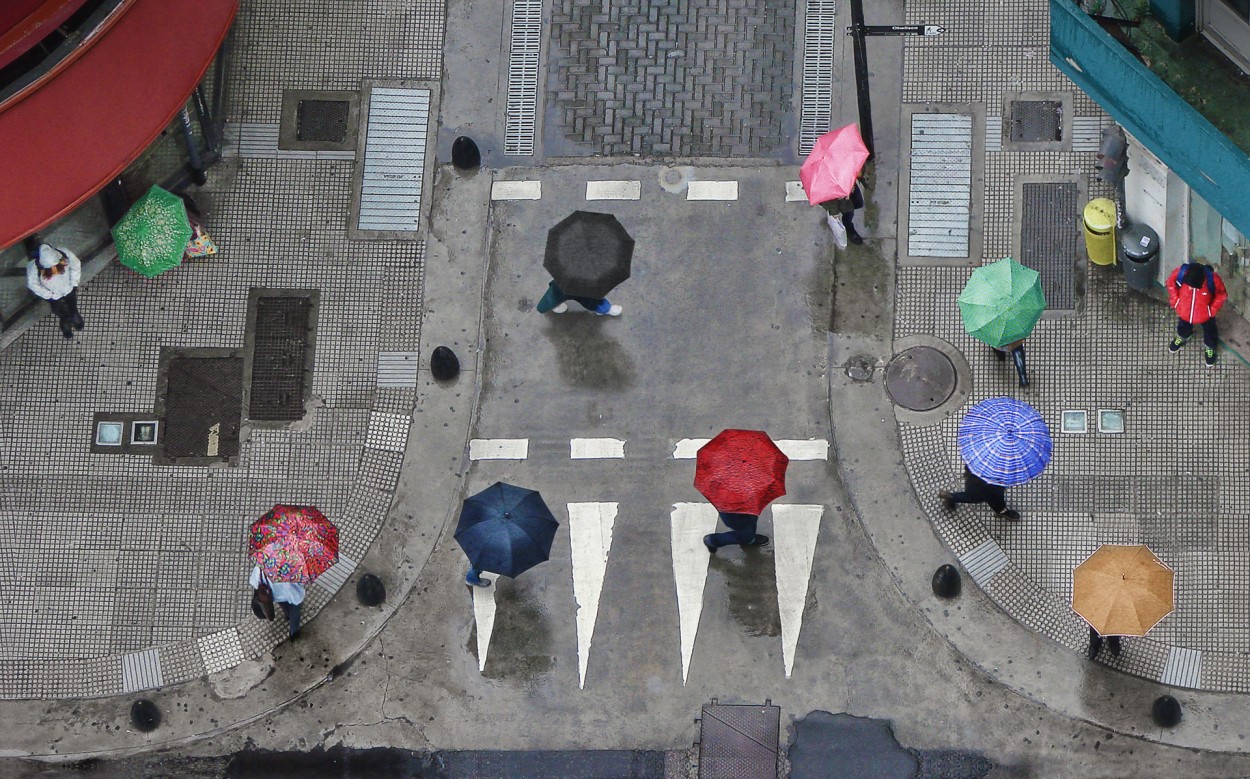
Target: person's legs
291 610
1017 356
600 306
552 299
848 221
1095 643
64 312
71 301
1183 331
474 578
741 532
1114 643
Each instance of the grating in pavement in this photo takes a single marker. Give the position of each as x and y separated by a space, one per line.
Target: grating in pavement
1048 239
1036 120
394 167
203 401
322 120
279 359
523 50
940 193
819 30
738 742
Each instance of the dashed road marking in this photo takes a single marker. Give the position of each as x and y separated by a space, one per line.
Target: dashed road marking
795 529
516 190
804 449
590 535
499 448
596 449
689 523
688 448
613 190
795 192
712 190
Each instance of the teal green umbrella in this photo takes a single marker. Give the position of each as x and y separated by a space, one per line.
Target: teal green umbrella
152 236
1002 302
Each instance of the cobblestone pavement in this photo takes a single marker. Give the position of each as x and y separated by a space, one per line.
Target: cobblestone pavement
689 78
119 574
1174 479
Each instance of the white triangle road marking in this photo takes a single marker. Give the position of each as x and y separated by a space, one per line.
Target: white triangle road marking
484 617
590 534
690 522
795 528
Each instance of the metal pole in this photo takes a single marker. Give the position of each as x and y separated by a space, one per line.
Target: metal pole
861 75
193 150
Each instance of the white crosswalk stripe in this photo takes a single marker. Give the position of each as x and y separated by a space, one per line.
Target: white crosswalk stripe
590 532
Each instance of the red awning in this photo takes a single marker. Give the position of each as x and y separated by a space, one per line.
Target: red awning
61 144
24 23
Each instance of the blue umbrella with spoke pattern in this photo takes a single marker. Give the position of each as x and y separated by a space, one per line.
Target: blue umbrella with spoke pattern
1004 441
506 529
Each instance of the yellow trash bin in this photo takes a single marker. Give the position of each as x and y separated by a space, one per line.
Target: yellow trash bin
1100 231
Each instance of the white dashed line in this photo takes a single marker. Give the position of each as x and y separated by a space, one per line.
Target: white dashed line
499 448
596 449
516 190
687 448
712 190
613 190
795 192
804 449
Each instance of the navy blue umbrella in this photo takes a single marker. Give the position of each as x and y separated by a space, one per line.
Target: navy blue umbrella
505 529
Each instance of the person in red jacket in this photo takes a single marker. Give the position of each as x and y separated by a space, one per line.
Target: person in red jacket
1196 293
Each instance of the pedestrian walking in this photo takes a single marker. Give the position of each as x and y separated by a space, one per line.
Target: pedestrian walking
556 302
978 490
1096 643
1196 293
741 532
288 595
840 215
1016 350
474 578
53 274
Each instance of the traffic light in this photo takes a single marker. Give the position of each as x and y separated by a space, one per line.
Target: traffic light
1113 155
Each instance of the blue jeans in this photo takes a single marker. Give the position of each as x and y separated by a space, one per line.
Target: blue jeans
741 530
291 610
555 296
474 576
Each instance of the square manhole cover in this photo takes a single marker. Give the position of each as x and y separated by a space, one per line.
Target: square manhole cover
738 742
1036 120
322 120
281 342
202 404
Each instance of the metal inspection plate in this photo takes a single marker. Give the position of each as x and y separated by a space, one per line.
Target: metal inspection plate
1036 120
920 378
738 742
280 353
322 120
203 405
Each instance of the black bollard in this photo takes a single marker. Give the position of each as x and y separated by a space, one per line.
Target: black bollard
1166 711
370 591
946 581
145 716
444 364
465 154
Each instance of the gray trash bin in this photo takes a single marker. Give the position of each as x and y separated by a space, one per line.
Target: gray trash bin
1139 255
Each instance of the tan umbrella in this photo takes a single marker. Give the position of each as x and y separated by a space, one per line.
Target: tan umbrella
1123 590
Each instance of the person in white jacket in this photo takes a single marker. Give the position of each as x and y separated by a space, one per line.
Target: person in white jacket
54 275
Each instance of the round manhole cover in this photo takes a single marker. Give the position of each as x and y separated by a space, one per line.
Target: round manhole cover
920 379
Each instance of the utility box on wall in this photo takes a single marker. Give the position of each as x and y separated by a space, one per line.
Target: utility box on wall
1176 16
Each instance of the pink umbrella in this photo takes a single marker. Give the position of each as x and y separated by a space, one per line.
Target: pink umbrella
830 170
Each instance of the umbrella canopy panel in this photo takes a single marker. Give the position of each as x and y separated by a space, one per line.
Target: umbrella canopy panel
1004 441
506 529
294 543
1002 302
741 471
588 254
1123 590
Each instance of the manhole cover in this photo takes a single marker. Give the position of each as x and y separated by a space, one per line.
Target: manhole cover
279 359
1036 120
920 379
203 400
737 741
859 367
322 120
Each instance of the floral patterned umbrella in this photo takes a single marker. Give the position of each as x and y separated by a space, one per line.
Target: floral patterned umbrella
152 236
294 544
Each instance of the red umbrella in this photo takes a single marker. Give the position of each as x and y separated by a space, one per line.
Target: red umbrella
294 544
741 471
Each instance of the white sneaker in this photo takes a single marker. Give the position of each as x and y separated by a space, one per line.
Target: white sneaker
560 309
615 310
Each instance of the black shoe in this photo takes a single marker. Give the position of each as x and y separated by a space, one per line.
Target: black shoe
68 332
853 236
1095 644
759 540
1114 643
78 322
1008 513
947 501
707 541
999 354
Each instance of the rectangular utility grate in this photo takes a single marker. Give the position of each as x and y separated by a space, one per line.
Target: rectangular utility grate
940 193
203 405
1048 237
394 164
1036 120
322 120
817 109
527 30
738 742
279 359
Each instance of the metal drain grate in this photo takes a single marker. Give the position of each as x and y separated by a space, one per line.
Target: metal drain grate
817 109
322 120
202 405
939 204
394 169
1036 120
527 28
1048 239
279 359
738 742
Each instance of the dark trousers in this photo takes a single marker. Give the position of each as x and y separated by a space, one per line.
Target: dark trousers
555 296
1017 357
741 530
978 490
66 310
291 610
1209 331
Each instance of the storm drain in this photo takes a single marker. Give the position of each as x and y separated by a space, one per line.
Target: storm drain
738 742
281 358
322 120
523 50
939 204
1036 120
202 405
920 378
818 34
1048 239
394 167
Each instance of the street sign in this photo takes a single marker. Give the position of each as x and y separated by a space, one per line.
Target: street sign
898 29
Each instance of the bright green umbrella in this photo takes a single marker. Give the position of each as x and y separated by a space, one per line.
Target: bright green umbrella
1002 302
153 234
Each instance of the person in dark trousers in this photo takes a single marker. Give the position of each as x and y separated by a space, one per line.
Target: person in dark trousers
1096 641
53 274
741 532
556 302
1196 293
288 595
474 578
1016 350
978 490
844 209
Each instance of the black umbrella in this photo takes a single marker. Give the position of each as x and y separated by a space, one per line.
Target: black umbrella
588 254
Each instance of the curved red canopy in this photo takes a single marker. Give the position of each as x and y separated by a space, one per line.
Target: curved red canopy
61 143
